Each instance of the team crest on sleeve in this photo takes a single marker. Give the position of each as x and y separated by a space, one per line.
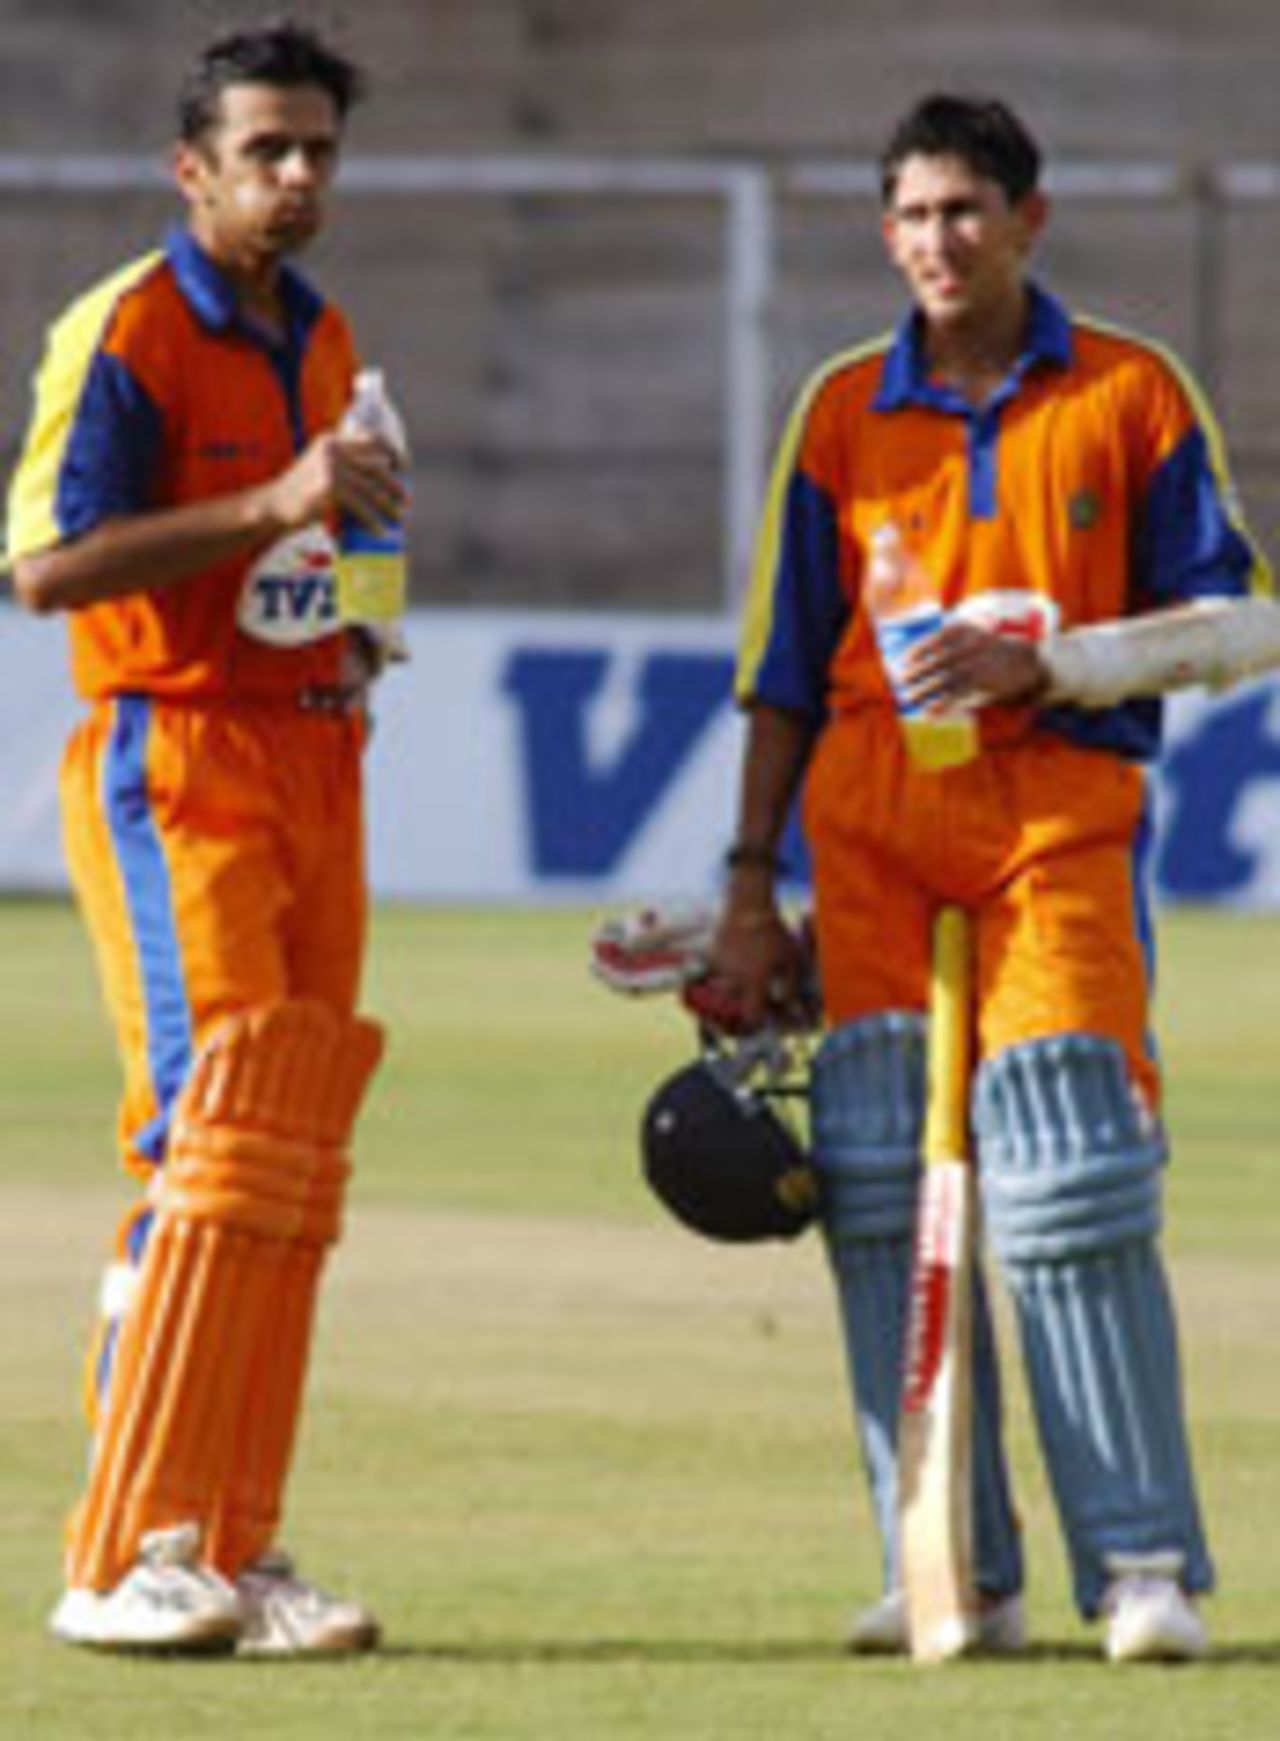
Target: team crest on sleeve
1084 510
289 595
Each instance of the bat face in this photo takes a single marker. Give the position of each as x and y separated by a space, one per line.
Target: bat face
941 1234
934 1443
935 1432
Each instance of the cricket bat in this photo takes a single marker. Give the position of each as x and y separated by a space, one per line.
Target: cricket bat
935 1438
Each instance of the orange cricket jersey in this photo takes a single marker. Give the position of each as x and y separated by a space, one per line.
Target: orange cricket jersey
216 850
1094 476
153 393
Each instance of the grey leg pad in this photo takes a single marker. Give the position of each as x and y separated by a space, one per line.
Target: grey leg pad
868 1103
1071 1182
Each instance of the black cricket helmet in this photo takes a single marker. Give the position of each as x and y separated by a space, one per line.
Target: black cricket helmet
720 1151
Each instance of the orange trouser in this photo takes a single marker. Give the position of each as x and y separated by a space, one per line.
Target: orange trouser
217 856
1039 839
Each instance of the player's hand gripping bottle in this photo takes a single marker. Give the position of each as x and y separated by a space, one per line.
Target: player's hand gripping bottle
373 566
904 610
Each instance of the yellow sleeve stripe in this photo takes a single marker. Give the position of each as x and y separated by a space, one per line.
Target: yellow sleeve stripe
73 341
757 622
1260 577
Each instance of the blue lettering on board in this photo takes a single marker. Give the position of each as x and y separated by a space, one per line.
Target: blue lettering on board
583 818
1206 778
584 813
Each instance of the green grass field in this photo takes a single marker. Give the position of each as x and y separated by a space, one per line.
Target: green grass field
596 1474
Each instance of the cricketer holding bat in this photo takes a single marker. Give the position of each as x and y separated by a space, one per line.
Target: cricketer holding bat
181 469
1046 470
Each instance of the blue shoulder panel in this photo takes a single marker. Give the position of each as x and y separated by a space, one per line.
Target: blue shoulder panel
809 608
111 449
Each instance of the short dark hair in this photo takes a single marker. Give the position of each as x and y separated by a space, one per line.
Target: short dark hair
282 54
981 131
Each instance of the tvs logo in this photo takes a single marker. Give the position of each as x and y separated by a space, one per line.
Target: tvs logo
290 594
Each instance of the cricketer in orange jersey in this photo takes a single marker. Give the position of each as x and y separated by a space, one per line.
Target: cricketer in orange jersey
1042 469
175 495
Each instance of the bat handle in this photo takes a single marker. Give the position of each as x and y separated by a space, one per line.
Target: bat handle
950 1037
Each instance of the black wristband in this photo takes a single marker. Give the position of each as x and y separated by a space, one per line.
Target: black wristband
742 855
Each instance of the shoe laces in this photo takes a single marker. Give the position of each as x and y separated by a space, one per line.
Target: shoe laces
1138 1577
275 1567
177 1546
273 1576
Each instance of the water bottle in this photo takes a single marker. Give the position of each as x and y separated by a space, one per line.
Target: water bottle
373 566
904 610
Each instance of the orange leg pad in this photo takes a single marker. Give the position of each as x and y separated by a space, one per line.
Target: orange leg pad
247 1517
207 1385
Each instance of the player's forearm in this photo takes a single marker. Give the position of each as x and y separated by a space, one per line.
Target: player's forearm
141 552
753 960
778 747
1215 642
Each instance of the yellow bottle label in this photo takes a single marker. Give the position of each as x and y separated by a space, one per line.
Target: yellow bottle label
372 586
937 741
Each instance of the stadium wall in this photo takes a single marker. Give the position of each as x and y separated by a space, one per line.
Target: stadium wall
561 357
555 756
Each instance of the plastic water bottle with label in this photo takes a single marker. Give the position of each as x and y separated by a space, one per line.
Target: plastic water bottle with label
373 565
904 611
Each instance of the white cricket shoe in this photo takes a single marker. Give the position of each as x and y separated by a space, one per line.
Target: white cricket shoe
286 1616
166 1602
1150 1618
881 1629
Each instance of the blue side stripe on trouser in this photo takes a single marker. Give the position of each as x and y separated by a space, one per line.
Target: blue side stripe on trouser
144 873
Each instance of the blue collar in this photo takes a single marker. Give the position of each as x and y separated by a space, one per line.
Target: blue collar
904 378
211 297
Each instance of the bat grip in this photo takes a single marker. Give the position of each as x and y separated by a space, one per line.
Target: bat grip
946 1132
